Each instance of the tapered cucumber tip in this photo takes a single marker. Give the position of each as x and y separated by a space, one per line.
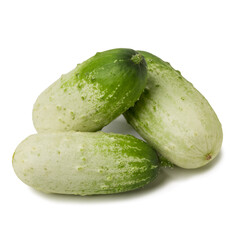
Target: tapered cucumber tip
209 156
137 58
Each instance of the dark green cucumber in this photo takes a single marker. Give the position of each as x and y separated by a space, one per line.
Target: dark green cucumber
93 94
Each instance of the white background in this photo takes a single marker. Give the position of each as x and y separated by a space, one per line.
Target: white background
40 40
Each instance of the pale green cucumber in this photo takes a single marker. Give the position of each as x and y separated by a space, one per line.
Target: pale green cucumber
93 94
85 163
175 118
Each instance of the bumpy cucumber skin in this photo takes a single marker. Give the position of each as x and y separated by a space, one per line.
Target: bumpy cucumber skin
174 118
93 94
85 163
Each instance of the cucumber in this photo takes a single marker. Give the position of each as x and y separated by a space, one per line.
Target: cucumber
174 118
85 163
93 94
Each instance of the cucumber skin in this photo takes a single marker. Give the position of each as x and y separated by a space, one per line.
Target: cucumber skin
93 94
174 118
85 163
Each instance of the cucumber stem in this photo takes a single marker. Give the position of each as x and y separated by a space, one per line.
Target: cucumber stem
137 58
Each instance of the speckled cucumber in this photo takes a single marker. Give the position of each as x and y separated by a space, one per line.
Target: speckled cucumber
93 94
85 163
175 118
